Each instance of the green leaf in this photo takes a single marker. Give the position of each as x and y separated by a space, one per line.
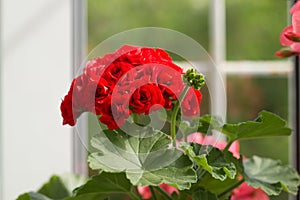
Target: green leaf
55 188
178 174
204 124
32 196
212 160
215 185
102 186
92 196
59 187
271 176
267 124
145 160
207 123
203 195
72 181
183 195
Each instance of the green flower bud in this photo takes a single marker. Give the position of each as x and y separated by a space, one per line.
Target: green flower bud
194 79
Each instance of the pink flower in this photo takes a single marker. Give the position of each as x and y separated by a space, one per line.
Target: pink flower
290 36
146 193
211 140
246 192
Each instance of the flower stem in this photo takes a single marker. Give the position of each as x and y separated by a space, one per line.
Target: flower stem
174 114
201 173
163 193
228 145
153 193
231 188
133 196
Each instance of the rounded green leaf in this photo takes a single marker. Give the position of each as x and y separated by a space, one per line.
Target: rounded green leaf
271 176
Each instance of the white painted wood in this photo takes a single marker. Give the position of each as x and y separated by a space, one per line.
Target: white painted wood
79 49
218 53
35 75
251 67
268 67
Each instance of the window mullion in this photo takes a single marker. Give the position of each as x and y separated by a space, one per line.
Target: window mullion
80 132
218 52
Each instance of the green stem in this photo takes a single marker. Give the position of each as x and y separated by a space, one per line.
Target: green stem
231 188
163 193
201 173
185 136
174 115
173 123
133 196
153 192
134 117
228 145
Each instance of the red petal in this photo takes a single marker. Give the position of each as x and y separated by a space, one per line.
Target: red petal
283 39
295 8
296 22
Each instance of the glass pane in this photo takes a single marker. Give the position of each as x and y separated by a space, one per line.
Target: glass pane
247 96
253 28
106 18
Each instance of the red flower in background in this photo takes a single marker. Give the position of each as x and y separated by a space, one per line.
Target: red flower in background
290 36
132 79
145 192
211 140
246 192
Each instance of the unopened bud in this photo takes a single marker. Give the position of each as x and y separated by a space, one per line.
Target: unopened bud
292 36
283 53
194 79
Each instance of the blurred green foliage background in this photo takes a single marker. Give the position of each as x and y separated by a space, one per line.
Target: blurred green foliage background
253 26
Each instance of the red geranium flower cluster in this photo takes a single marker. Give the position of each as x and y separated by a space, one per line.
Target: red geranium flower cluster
132 79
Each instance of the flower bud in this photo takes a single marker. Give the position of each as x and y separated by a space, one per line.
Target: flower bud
283 53
292 36
194 79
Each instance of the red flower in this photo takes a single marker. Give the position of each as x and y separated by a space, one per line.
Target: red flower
83 94
246 192
115 71
171 79
191 103
70 107
102 92
113 112
146 193
67 111
93 70
138 56
148 74
169 97
290 36
146 97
